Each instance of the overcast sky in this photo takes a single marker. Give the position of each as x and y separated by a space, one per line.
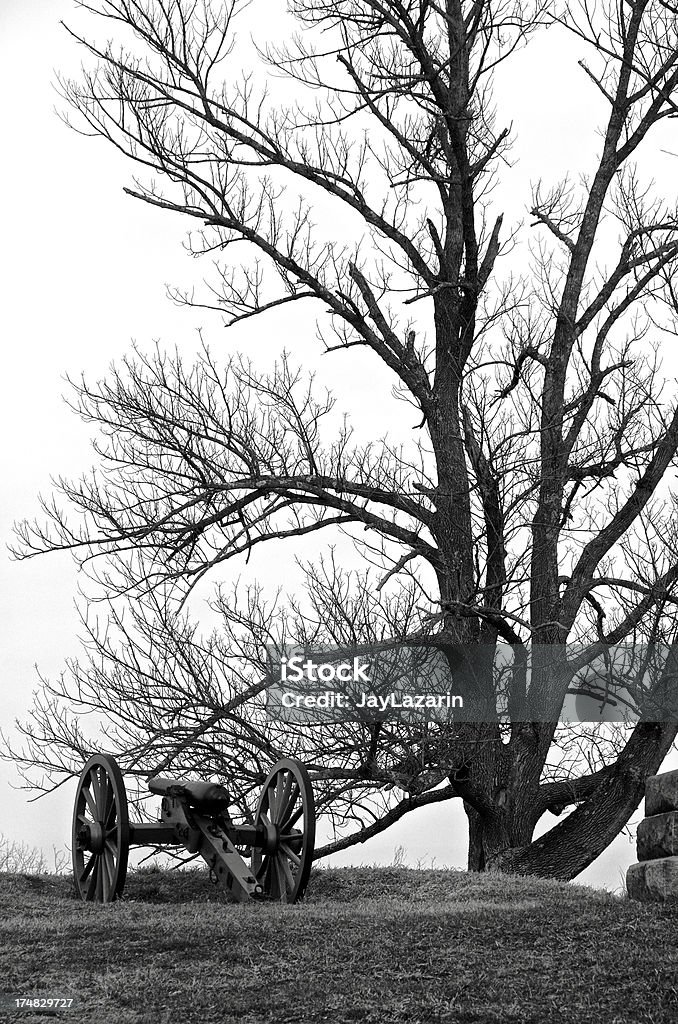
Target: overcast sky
83 273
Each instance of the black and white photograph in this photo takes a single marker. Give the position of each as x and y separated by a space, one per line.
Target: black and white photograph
339 524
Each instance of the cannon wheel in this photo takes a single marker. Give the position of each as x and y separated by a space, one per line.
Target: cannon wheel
100 831
287 810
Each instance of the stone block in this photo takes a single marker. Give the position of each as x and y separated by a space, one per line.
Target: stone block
661 793
653 880
658 836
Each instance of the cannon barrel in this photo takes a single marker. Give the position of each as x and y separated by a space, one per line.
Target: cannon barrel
209 797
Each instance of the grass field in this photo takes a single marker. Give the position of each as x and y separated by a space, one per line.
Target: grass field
376 945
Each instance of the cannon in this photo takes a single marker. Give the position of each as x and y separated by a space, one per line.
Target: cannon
279 842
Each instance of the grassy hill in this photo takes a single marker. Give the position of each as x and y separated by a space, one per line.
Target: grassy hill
389 945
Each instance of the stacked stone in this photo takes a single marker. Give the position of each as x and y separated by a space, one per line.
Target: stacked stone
656 876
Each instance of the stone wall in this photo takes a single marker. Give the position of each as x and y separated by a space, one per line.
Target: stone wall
655 877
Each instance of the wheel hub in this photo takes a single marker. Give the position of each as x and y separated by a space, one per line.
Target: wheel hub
272 837
91 837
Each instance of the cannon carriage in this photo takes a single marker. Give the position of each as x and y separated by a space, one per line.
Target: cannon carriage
279 842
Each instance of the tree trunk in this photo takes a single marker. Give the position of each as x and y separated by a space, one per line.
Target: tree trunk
492 834
500 839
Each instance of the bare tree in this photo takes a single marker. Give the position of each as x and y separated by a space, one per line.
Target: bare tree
17 858
528 507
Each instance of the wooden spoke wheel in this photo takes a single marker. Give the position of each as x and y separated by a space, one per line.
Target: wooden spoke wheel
286 810
100 831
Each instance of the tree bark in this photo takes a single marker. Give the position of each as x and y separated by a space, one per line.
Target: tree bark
501 838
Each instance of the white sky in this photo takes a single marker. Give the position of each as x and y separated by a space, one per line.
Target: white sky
83 270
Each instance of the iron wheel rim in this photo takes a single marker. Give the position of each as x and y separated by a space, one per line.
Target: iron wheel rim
286 802
100 833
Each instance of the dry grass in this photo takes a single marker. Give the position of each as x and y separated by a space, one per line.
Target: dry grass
385 945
